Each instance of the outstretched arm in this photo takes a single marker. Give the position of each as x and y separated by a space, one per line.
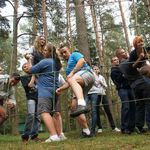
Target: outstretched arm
63 87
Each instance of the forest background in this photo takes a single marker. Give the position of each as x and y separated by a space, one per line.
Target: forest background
95 27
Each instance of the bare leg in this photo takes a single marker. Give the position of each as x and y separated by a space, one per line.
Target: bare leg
76 84
82 121
48 120
58 122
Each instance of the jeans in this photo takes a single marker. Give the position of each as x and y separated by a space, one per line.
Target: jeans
104 100
142 94
92 101
32 123
127 109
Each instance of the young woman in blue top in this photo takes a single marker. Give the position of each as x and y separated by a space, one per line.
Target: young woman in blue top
48 71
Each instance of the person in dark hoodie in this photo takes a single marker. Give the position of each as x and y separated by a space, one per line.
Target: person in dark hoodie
124 92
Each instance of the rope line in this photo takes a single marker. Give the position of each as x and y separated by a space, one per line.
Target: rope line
101 105
51 72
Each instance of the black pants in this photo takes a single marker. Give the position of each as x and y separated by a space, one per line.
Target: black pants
142 96
104 100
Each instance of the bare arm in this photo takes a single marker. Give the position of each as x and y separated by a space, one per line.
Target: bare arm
63 87
32 81
78 66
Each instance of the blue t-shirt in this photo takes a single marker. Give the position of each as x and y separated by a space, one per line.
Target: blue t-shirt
48 77
72 61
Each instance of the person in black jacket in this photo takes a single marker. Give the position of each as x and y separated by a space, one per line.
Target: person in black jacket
32 123
125 94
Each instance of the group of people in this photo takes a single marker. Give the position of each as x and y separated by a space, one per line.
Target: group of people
129 73
43 85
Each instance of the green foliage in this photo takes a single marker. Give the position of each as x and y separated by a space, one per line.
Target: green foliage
29 4
4 23
21 104
143 20
5 53
4 27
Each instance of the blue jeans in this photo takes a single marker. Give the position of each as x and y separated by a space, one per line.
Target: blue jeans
32 123
127 109
92 101
104 100
142 91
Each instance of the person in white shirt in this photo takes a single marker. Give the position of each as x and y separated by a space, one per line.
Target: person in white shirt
96 95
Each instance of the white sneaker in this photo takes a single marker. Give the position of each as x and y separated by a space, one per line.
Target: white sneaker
62 137
116 130
52 140
99 131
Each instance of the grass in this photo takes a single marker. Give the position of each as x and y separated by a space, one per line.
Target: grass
105 141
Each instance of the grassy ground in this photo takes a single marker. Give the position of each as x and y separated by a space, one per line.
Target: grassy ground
105 141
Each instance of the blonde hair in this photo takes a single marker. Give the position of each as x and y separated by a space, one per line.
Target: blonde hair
37 44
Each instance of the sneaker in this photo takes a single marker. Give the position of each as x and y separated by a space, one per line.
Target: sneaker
99 131
51 140
62 137
85 135
140 131
116 130
80 110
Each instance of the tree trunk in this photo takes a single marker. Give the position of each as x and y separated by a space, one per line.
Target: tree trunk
148 5
82 39
13 66
124 26
136 26
98 38
35 21
69 30
44 19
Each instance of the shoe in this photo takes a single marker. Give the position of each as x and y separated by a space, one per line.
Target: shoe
85 135
140 130
80 110
99 131
62 137
36 139
126 132
52 140
116 130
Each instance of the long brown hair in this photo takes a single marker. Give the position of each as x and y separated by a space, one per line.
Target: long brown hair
53 54
37 44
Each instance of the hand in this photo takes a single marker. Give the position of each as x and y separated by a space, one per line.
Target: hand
31 84
10 105
58 91
141 56
28 56
70 75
